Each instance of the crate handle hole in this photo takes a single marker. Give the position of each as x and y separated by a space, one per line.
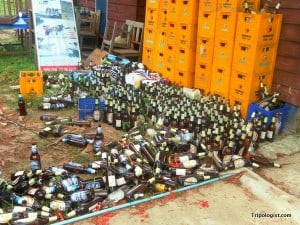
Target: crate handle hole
202 66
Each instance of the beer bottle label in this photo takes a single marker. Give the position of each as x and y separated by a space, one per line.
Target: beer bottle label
35 165
180 172
118 123
110 118
270 134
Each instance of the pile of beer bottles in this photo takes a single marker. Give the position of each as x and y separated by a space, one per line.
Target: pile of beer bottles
171 141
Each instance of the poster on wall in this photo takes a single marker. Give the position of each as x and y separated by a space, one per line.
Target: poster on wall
56 37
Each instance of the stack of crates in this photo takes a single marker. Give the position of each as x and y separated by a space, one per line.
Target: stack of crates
150 30
170 39
254 55
205 44
226 20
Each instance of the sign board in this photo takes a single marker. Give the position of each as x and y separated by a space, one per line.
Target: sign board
56 36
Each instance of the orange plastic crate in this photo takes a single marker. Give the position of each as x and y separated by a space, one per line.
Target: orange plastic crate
153 4
151 18
31 83
161 40
170 62
226 25
223 52
247 86
244 103
149 38
173 10
148 57
203 76
208 5
162 20
205 49
163 4
185 59
254 58
206 23
188 11
237 5
186 35
172 32
220 80
258 28
184 78
159 62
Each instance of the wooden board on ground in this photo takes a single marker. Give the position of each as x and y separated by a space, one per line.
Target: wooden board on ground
95 57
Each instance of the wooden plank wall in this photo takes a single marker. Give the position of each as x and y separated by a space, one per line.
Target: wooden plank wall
286 79
126 9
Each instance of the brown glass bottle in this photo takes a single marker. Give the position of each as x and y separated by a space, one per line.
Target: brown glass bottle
35 159
22 105
118 119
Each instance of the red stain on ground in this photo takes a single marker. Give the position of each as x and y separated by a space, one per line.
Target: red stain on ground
204 204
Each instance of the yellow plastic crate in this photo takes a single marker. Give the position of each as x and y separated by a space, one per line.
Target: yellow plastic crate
203 76
31 83
205 49
226 25
223 52
186 35
220 80
238 5
206 23
184 78
188 11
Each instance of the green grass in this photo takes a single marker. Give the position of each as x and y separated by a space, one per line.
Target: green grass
11 65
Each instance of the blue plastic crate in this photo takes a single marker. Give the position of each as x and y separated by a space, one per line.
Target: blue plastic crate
86 103
284 112
84 113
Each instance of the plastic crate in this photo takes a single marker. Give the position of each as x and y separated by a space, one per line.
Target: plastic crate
184 77
31 83
185 59
149 38
220 80
244 103
247 86
171 32
151 18
253 58
258 28
159 62
226 25
205 49
206 23
162 20
188 11
147 57
237 5
223 52
203 76
186 35
173 10
85 107
283 110
153 3
208 5
161 40
169 62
